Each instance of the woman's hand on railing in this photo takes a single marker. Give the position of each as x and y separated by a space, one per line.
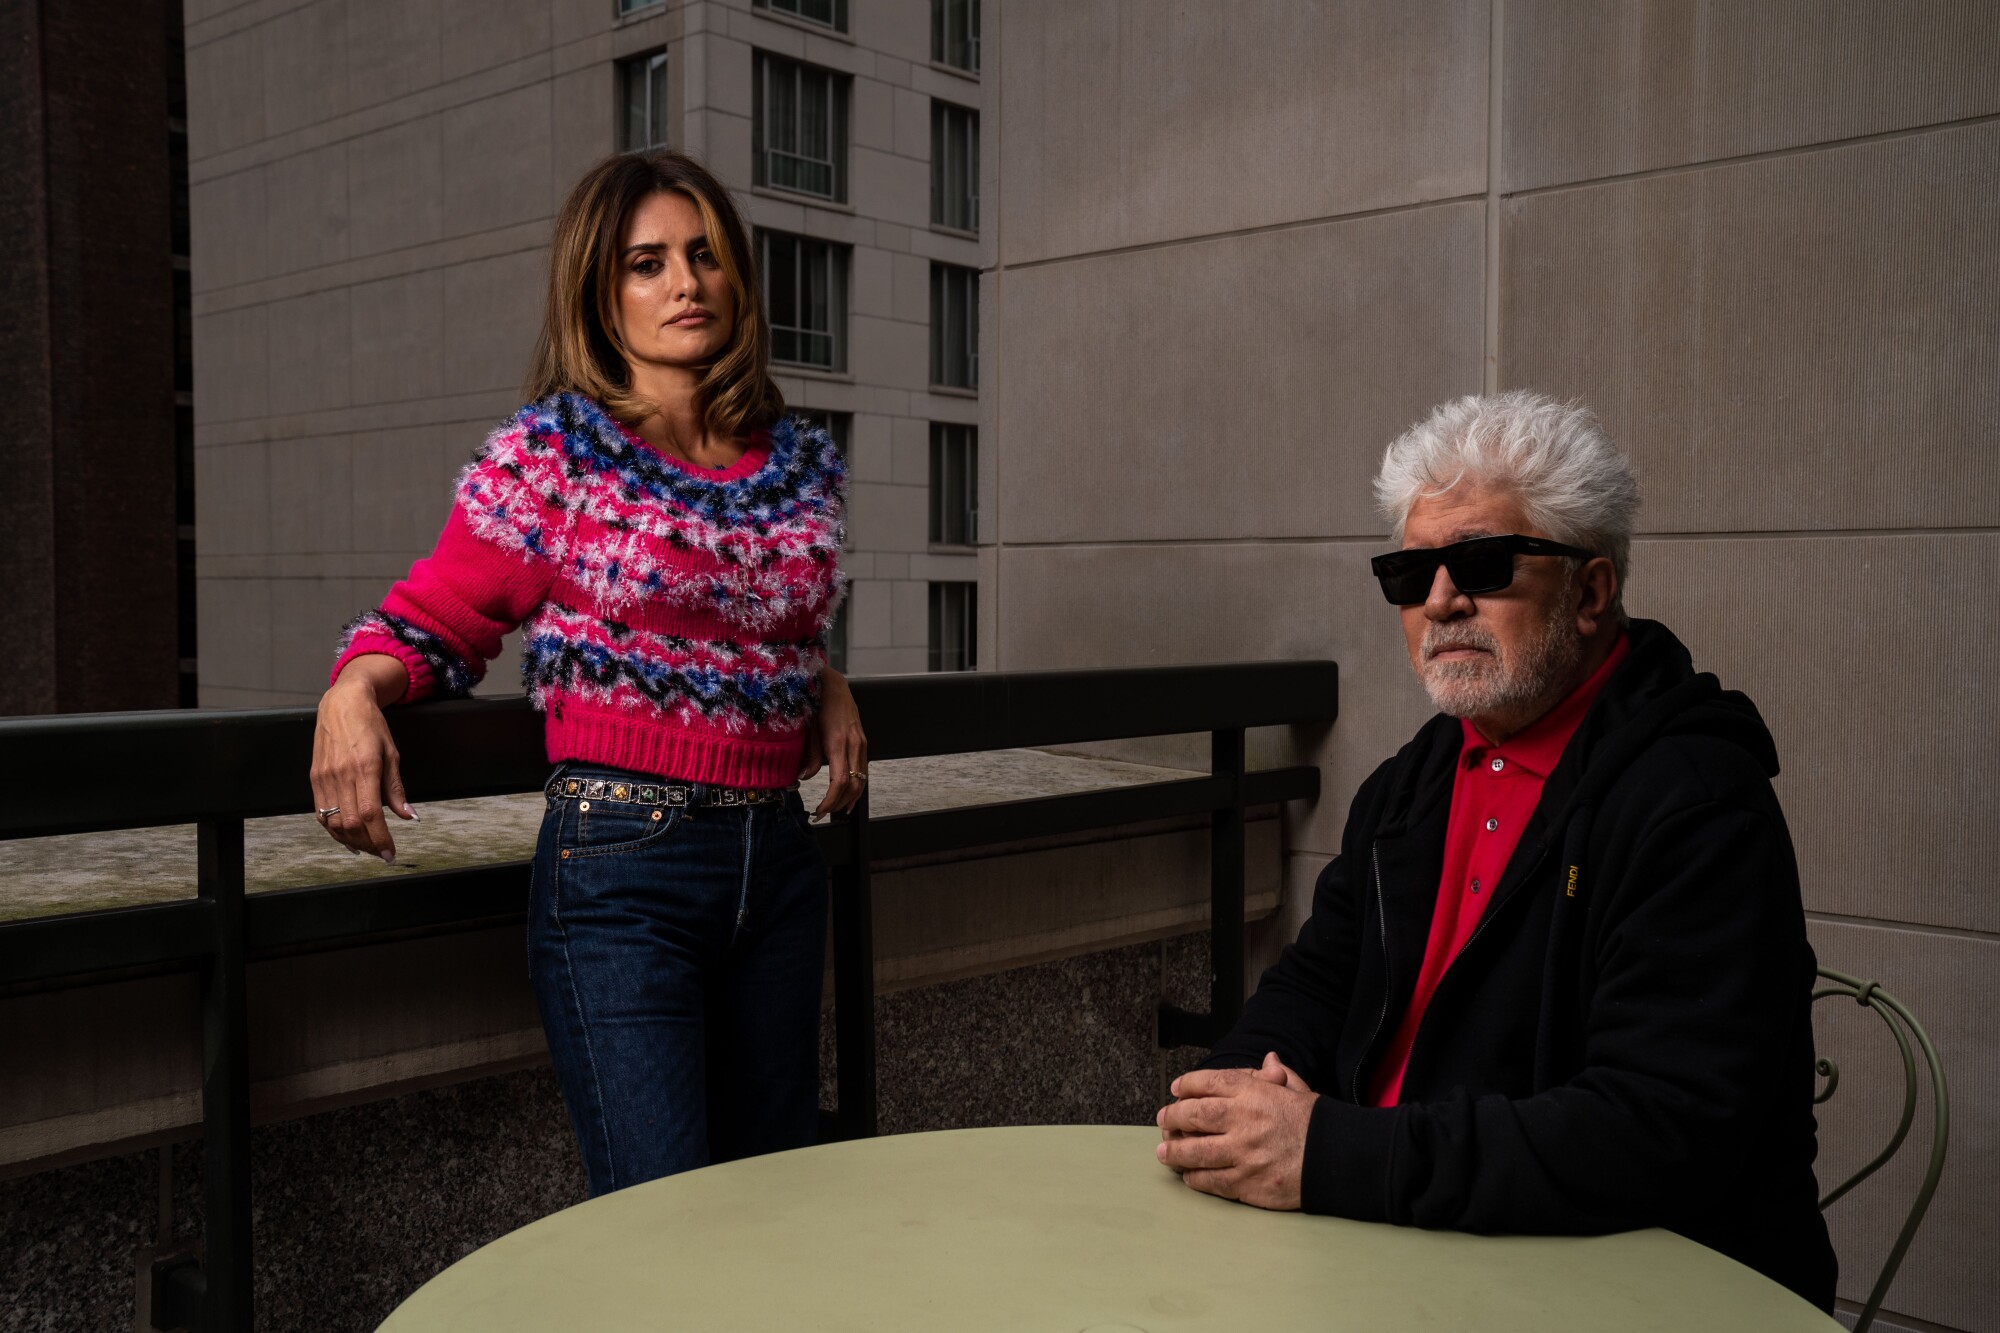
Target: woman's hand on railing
834 738
355 773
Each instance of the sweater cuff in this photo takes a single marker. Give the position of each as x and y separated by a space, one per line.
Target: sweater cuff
433 667
1346 1168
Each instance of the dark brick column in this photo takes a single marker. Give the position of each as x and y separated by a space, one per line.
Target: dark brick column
87 520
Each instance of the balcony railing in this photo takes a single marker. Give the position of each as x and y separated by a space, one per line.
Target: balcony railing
100 772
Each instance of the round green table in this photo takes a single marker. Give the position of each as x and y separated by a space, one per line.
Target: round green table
1062 1229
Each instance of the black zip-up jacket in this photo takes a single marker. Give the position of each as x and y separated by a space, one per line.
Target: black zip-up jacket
1625 1041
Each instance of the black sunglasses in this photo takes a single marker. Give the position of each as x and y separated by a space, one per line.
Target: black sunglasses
1484 564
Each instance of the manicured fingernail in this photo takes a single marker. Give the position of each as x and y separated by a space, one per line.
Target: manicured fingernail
1160 1151
411 811
388 858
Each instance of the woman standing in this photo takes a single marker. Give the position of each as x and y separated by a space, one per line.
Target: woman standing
672 541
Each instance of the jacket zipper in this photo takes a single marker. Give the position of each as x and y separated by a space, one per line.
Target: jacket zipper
1381 929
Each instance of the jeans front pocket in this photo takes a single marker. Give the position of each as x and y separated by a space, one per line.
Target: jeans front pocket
602 827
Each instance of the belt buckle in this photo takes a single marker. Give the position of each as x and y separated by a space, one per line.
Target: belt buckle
676 796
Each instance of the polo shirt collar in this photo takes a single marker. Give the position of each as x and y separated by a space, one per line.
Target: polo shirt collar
1539 746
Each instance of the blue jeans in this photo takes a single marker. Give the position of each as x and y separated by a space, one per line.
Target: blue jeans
677 957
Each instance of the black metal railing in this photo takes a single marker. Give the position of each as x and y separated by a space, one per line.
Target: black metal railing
98 772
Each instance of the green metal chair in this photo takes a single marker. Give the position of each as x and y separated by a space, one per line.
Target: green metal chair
1902 1025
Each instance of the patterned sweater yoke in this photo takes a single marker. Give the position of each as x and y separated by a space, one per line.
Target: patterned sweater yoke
676 616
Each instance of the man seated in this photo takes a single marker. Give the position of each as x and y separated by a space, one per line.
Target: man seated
1557 979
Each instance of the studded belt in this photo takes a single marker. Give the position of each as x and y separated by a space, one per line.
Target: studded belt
661 793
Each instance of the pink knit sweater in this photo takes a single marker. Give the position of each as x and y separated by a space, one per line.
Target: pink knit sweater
676 615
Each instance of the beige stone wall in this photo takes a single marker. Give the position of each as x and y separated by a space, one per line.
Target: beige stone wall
1236 248
373 184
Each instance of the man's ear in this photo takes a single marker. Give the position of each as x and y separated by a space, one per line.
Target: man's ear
1597 592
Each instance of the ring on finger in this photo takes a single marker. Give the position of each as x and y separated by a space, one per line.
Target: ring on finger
326 812
858 774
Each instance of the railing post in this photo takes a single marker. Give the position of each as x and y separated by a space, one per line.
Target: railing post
854 981
1225 901
1178 1027
225 1087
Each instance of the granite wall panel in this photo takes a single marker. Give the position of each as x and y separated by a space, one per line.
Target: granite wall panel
394 179
1130 123
393 49
479 34
496 156
1867 656
228 231
1230 388
311 345
307 209
305 65
1595 90
397 326
1805 342
492 311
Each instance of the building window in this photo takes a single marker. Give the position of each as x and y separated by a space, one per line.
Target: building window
832 13
798 133
954 484
955 33
805 298
954 608
836 638
954 166
642 84
836 424
954 326
634 6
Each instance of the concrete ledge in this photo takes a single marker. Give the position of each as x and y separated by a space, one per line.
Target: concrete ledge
104 1069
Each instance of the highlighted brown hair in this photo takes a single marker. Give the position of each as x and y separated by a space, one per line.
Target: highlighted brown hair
578 349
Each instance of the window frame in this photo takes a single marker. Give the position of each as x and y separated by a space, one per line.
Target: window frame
943 317
954 126
964 655
836 635
768 71
941 46
838 23
954 484
837 261
647 64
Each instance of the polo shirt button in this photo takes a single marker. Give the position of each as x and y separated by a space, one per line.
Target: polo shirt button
1499 764
1475 883
1492 824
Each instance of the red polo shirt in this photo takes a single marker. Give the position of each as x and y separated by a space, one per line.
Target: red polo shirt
1492 797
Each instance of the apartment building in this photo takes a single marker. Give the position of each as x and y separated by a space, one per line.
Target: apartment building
373 184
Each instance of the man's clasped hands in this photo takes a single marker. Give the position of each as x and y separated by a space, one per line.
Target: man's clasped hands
1239 1133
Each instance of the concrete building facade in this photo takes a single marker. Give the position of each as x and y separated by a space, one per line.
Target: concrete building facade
374 183
1236 249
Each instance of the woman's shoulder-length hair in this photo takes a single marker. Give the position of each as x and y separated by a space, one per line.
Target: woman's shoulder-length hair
579 350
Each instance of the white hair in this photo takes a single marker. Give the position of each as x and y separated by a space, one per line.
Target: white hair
1569 477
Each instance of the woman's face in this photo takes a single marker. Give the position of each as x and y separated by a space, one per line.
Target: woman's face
674 306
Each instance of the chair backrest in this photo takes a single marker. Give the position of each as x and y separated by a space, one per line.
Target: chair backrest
1903 1026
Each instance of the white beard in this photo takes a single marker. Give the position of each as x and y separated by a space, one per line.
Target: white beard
1483 686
